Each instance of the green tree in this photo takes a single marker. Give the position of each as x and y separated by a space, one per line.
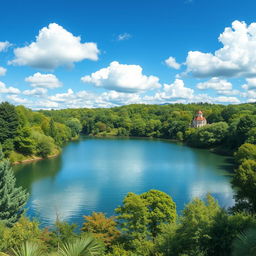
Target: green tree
75 126
209 135
12 198
192 234
23 142
133 216
161 210
245 182
9 121
244 152
245 124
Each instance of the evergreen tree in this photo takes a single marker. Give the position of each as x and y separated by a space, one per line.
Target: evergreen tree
9 121
12 198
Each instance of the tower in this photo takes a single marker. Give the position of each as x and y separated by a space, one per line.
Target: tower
199 120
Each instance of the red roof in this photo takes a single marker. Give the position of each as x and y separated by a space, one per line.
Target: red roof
200 112
199 118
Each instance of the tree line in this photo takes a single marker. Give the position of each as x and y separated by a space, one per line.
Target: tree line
145 224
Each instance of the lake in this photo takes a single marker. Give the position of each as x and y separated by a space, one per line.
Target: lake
94 174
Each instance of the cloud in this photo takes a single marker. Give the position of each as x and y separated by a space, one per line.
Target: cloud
118 98
35 92
171 62
54 47
250 85
177 90
122 78
8 90
215 83
2 71
236 58
4 46
17 99
124 36
224 99
43 80
229 92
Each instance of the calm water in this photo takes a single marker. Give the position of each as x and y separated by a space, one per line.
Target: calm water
95 175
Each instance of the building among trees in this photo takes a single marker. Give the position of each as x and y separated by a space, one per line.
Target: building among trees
199 120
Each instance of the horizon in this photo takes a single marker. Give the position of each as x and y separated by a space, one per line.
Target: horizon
97 54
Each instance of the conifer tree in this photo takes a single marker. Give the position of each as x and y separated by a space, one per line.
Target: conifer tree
12 198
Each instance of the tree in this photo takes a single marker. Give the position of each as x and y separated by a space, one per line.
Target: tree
244 152
245 182
23 142
75 126
9 121
12 198
161 209
192 234
101 227
133 216
209 135
245 124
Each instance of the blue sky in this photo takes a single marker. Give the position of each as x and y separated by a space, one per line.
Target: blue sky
63 54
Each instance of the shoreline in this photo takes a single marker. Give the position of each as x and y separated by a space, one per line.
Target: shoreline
30 160
34 159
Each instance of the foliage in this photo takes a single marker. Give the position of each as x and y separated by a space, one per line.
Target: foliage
75 126
245 244
161 209
244 152
209 135
9 121
133 216
101 227
86 246
12 198
62 233
245 182
22 231
28 249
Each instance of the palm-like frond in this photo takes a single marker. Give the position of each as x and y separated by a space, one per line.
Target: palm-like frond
28 249
86 246
3 254
245 244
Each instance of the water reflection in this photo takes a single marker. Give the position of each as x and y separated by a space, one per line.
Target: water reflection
95 174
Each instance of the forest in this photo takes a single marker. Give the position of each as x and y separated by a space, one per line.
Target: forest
145 224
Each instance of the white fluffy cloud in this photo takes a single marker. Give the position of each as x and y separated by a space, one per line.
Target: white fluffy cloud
2 71
250 85
177 90
35 92
122 78
225 99
171 62
8 90
54 46
4 45
236 58
17 100
43 80
215 83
